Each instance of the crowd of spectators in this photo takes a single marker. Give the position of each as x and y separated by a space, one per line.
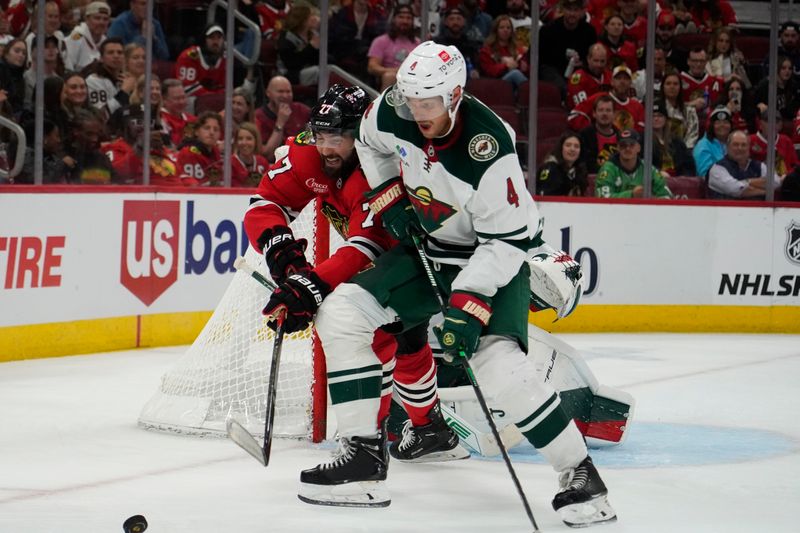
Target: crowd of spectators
592 51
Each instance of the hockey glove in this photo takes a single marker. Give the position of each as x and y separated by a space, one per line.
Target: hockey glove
390 201
298 298
283 254
466 316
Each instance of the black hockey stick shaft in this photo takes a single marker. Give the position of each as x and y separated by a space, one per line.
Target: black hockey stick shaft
478 393
277 347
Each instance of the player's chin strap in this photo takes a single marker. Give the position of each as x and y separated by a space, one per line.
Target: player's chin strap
452 112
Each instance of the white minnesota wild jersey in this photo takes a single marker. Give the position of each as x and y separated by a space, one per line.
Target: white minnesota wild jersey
467 189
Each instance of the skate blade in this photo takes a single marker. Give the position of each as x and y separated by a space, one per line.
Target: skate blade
354 494
595 511
457 453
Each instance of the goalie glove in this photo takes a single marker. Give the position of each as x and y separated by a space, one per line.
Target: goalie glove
298 299
389 200
283 254
556 283
466 316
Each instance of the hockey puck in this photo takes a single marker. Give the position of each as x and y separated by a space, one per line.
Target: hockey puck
135 524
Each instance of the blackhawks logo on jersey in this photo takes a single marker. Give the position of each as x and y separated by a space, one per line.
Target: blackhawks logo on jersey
432 212
339 222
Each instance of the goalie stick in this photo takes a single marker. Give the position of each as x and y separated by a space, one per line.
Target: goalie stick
235 430
478 393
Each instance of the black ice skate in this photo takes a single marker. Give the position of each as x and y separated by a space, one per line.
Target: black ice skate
582 500
432 442
354 477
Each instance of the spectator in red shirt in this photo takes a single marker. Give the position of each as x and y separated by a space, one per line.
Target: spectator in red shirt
621 51
280 116
201 69
247 163
586 82
785 157
501 56
199 159
174 118
708 15
635 25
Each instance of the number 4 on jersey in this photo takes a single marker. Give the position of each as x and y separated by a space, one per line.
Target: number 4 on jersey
511 193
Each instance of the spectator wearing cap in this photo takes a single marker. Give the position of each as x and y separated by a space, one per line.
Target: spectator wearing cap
82 47
566 37
501 56
621 51
131 26
670 155
708 15
623 175
591 79
454 32
201 69
352 30
666 27
785 156
788 90
599 140
736 175
789 46
387 51
628 110
52 28
53 66
712 147
298 45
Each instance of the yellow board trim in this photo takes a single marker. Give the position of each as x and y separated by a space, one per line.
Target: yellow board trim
673 319
170 329
100 335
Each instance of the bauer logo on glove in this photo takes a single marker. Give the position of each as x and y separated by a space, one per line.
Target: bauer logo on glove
556 283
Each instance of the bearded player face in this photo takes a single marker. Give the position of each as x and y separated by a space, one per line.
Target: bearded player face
337 152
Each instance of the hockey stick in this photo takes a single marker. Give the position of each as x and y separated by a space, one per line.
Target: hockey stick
476 440
236 431
478 393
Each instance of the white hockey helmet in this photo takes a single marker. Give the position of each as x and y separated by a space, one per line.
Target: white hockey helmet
431 70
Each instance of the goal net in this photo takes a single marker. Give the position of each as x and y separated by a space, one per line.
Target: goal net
225 372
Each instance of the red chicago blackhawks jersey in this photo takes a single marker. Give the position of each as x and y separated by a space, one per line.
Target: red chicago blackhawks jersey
298 178
197 76
695 88
197 165
247 175
176 126
628 113
270 19
582 85
785 156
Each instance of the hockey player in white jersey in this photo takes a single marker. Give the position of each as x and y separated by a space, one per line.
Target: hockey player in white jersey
462 188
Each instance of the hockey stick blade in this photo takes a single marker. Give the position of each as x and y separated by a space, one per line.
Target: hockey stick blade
469 436
238 434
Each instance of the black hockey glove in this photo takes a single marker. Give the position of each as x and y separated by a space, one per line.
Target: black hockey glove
390 201
467 314
283 254
297 299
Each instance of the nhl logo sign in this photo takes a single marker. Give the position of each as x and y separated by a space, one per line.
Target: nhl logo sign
792 248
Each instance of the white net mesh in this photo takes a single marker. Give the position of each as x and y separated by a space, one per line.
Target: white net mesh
225 373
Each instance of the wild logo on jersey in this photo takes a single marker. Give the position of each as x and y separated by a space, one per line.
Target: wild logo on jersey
339 222
432 212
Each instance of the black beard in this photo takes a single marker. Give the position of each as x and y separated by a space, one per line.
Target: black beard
345 169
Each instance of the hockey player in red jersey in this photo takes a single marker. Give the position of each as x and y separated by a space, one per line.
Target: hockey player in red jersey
201 69
322 163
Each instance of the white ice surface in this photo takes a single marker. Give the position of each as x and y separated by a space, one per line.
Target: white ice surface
713 448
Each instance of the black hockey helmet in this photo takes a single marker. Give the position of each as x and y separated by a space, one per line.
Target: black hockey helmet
339 110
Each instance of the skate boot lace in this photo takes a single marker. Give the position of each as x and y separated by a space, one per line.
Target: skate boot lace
409 435
344 452
574 478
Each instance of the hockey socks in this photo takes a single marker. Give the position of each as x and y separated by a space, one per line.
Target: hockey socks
415 383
